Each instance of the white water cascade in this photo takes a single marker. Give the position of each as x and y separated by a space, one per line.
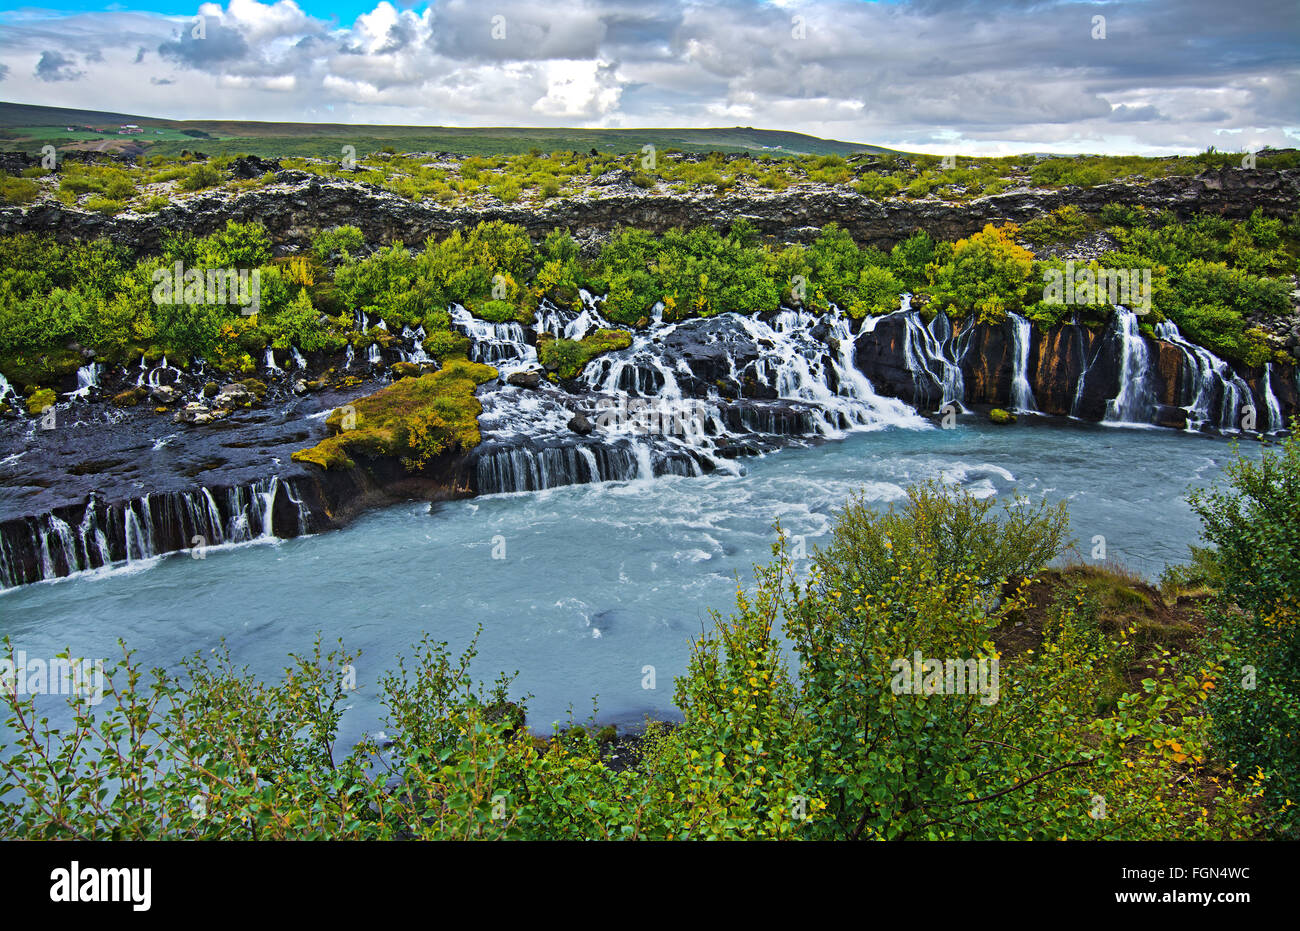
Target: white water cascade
1213 384
1022 393
501 345
145 528
1271 406
87 378
1135 402
6 389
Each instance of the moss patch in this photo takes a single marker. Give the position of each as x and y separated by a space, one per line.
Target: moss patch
998 415
42 368
413 420
39 401
566 357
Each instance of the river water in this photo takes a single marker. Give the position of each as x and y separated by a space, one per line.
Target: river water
582 588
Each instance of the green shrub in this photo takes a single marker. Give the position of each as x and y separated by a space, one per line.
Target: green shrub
1064 224
18 190
198 176
345 240
1254 525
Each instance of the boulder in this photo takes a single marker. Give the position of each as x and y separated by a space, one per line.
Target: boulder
164 394
405 370
234 395
40 400
194 413
1000 416
532 378
131 396
580 425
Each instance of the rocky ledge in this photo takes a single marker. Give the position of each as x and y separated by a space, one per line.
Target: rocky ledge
297 204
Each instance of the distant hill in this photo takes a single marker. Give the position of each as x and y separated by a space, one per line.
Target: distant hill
26 126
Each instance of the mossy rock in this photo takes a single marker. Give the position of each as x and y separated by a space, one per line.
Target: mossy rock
131 396
258 388
27 372
41 400
210 389
405 370
567 358
607 734
413 420
999 416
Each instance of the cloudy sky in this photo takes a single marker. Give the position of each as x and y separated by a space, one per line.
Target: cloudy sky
971 76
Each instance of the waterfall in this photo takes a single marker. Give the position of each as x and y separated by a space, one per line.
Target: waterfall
1022 394
153 378
348 355
1271 407
417 354
267 514
372 354
142 529
926 356
502 345
529 468
567 324
87 378
1135 403
6 388
269 360
1213 384
298 360
136 545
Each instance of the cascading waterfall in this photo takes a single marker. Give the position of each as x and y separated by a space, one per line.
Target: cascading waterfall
1022 393
502 345
1271 406
1214 386
145 528
349 355
1135 402
298 360
153 377
416 338
269 359
563 324
87 378
925 353
6 389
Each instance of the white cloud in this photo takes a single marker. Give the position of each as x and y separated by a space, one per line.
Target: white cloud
932 76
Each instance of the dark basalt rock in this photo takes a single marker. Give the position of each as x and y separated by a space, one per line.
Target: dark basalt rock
580 425
531 378
250 166
301 203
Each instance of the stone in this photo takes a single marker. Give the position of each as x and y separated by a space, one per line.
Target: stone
194 413
580 425
532 378
999 416
164 394
234 395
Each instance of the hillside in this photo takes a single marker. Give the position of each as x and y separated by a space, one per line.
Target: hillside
24 126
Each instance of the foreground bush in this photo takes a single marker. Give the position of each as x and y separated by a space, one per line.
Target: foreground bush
796 724
1254 524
